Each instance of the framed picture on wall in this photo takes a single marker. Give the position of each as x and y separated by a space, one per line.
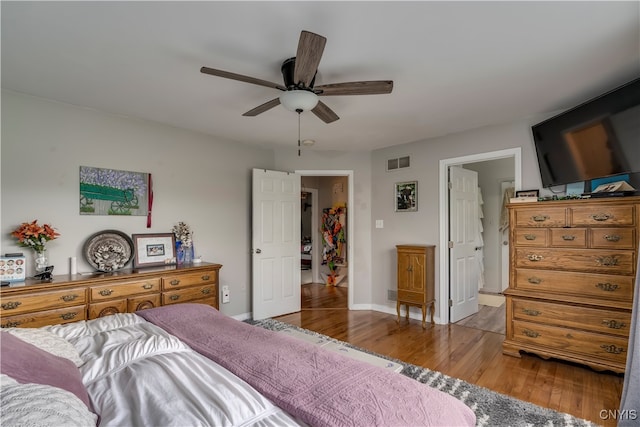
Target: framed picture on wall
406 196
153 249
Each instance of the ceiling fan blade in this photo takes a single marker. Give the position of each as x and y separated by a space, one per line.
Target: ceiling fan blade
374 87
325 113
240 77
310 48
262 108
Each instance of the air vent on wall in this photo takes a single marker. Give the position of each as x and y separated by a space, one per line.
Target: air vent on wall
398 163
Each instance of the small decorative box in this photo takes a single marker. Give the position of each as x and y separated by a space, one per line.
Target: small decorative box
13 268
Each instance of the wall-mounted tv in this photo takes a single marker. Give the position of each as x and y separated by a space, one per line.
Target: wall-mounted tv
598 138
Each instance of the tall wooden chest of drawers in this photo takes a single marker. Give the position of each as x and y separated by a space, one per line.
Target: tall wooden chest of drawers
572 276
70 298
416 278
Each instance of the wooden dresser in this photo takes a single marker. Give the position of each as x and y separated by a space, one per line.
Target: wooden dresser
69 298
572 276
416 278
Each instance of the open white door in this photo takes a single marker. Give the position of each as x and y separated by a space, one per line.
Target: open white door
463 236
275 243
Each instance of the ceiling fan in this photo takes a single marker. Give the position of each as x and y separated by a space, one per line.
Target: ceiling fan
299 92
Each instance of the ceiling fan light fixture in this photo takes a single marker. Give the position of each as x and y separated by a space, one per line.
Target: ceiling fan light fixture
297 99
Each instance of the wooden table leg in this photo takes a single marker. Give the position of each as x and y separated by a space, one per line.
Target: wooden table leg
432 309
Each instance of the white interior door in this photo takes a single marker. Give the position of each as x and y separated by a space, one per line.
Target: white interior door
463 238
275 243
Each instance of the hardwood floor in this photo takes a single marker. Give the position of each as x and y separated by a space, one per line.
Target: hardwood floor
487 318
467 353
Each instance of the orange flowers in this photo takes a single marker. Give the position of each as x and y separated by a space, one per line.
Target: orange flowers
32 235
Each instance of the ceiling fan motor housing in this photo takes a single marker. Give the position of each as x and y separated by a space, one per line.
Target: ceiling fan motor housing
287 69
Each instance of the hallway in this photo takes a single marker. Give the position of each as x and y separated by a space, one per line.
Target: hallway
317 296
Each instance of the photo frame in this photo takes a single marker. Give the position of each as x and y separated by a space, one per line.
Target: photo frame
528 193
406 196
153 249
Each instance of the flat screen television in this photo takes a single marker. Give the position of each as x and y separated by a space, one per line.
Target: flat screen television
596 139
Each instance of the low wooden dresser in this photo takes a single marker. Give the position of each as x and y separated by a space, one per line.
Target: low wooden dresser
416 278
572 277
69 298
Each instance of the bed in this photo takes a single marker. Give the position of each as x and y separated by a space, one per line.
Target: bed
190 365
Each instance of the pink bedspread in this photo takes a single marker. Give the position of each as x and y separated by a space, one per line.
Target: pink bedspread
319 387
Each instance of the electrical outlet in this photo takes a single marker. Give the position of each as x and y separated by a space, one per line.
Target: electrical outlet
225 294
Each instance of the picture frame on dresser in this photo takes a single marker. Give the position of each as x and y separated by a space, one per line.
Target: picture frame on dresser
528 193
153 249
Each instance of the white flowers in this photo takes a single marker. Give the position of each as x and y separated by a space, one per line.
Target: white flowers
183 234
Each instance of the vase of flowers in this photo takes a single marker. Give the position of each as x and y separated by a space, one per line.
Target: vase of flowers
35 236
184 243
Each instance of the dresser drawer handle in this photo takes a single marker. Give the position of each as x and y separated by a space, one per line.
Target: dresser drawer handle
11 324
612 237
530 236
69 298
601 217
568 237
11 305
147 286
540 218
534 257
534 280
608 287
607 261
612 349
206 291
530 333
205 277
106 292
68 316
174 282
530 312
613 324
174 297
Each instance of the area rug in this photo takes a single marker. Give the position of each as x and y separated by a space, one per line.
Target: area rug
491 408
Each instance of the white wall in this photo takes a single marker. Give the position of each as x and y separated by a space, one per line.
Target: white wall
207 183
196 178
423 227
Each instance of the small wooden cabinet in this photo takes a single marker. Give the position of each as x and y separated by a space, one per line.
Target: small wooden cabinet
416 278
572 278
70 298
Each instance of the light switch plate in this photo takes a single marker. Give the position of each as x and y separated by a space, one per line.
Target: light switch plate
379 223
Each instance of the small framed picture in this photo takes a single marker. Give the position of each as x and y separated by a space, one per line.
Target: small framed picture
153 249
528 193
406 195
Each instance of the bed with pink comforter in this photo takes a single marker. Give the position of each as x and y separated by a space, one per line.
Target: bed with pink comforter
190 365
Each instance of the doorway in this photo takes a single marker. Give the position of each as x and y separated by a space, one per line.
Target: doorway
513 157
331 189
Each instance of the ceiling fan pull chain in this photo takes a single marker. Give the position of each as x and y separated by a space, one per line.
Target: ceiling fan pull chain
298 111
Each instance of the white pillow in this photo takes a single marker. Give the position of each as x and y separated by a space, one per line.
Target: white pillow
6 380
42 405
47 341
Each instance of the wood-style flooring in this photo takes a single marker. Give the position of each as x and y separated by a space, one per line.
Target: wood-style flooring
468 353
487 318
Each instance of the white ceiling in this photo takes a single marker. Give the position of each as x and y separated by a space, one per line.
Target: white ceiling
455 65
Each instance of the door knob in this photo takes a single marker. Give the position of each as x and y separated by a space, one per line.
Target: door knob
258 251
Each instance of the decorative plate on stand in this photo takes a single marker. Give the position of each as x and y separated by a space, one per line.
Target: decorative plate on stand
108 250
